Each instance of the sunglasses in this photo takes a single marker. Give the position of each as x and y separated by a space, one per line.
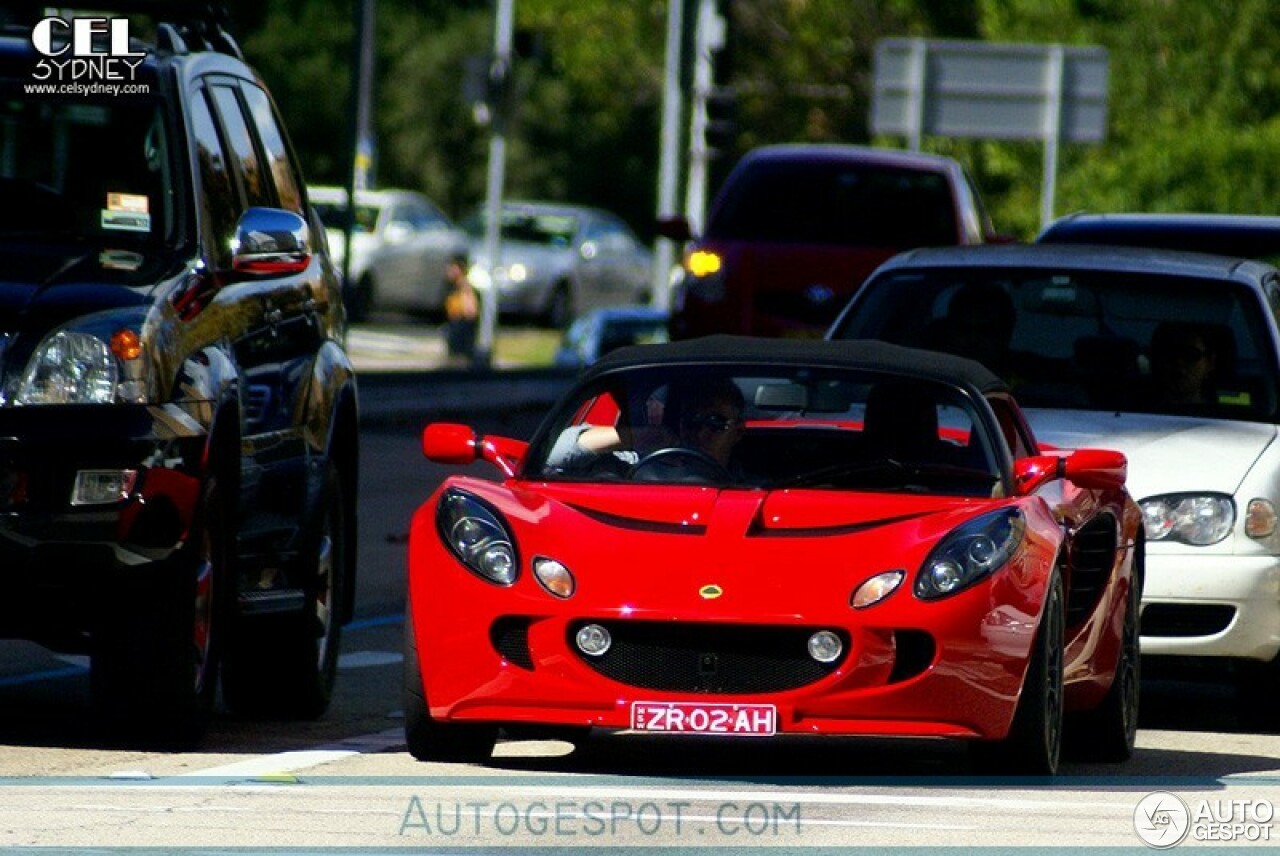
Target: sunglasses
713 422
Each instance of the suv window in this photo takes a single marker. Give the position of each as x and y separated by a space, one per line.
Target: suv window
84 168
281 171
246 156
217 198
817 202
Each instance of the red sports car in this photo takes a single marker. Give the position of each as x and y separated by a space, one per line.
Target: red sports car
748 537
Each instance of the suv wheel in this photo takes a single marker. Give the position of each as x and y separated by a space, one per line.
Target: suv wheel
286 664
156 654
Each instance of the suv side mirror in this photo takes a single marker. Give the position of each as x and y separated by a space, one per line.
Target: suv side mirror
270 242
675 227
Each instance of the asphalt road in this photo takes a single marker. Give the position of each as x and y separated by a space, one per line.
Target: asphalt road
346 781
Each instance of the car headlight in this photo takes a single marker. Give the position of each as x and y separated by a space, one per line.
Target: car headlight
97 360
477 535
1198 519
973 551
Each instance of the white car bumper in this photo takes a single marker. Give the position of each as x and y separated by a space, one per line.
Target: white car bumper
1212 606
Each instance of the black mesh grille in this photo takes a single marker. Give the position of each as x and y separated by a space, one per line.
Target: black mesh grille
510 637
1093 552
708 658
1183 619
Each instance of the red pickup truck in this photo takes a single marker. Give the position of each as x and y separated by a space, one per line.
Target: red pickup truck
795 229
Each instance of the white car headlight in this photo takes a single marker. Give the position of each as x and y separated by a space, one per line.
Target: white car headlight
98 359
1198 519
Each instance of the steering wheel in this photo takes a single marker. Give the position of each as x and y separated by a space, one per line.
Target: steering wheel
681 465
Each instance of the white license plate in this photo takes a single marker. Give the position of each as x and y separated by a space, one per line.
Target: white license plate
681 717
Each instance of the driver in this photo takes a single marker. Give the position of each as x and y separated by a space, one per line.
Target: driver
707 417
699 416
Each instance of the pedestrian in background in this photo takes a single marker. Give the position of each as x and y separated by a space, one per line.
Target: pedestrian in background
462 313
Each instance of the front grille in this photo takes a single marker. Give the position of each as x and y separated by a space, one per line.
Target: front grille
1186 619
510 638
914 651
708 658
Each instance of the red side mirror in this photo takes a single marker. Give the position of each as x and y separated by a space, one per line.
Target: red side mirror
450 443
1091 469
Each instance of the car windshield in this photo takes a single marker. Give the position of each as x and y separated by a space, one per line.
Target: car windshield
531 227
820 202
334 215
767 427
87 169
1087 340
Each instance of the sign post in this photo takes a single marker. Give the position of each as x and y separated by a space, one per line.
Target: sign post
1051 93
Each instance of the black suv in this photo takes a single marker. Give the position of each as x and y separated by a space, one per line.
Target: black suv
178 417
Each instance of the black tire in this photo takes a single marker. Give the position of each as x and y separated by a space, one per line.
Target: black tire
559 311
427 739
286 665
1108 732
1033 746
157 650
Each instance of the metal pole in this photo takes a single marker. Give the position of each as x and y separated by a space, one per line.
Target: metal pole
1052 131
361 137
669 152
918 68
500 70
709 38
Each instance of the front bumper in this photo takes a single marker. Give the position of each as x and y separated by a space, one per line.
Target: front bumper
1212 606
57 558
507 655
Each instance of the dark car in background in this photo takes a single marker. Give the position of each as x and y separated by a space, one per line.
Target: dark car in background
178 449
795 229
1251 236
559 260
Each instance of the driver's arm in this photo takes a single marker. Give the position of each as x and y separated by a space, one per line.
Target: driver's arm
580 446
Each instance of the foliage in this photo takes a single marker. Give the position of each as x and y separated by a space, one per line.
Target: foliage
1194 94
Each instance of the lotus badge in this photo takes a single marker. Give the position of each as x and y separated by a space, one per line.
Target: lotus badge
710 592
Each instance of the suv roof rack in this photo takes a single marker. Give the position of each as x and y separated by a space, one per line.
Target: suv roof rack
180 26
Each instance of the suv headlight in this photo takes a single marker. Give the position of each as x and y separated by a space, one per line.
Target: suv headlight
973 551
98 359
1198 519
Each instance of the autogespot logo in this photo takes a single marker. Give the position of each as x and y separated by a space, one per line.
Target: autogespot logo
1161 820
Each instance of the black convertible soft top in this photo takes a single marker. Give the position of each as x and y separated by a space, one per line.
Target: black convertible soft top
849 353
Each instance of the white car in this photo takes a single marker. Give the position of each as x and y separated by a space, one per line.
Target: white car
400 245
558 261
1171 358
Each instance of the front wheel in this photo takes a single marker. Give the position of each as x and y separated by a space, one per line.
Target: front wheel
428 739
1108 732
158 643
286 665
1033 746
